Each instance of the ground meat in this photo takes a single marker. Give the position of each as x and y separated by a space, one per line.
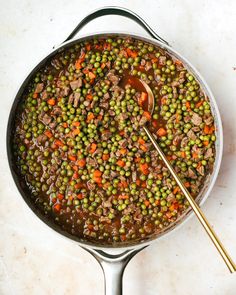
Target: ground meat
191 173
46 119
148 66
65 91
76 99
134 176
76 84
143 121
39 88
196 119
201 170
41 138
208 153
184 142
113 78
208 120
91 186
162 60
57 111
191 135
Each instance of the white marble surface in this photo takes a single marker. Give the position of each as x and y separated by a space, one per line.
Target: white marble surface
33 259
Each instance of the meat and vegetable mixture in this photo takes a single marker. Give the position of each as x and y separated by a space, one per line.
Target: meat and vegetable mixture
80 146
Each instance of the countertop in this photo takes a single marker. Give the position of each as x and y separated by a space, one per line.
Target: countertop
34 260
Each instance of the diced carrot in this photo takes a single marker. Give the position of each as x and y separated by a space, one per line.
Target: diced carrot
90 226
97 179
154 59
157 202
65 125
51 101
57 207
72 158
123 237
131 53
120 163
176 189
123 151
103 65
169 215
35 95
122 132
88 46
81 163
76 131
144 168
154 123
178 62
97 173
93 148
144 184
187 184
89 97
141 141
147 115
48 133
123 197
143 98
76 124
143 148
60 196
177 118
80 196
58 142
206 142
79 61
105 157
199 104
138 182
195 155
183 154
208 129
188 105
107 46
163 100
124 184
137 160
146 203
91 75
161 132
78 185
90 117
75 168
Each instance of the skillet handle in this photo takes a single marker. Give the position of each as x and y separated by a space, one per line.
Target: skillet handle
114 10
113 267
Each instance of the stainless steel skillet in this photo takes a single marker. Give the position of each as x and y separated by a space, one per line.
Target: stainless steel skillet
113 260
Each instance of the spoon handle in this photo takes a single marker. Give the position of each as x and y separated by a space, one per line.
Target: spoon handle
229 262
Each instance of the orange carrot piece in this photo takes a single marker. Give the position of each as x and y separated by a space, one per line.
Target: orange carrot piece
131 53
91 75
90 117
93 148
97 173
72 158
105 157
176 189
206 142
143 98
81 163
147 115
76 132
143 148
187 184
35 95
57 207
146 203
51 101
60 196
141 141
123 151
123 197
120 163
76 124
80 196
161 132
199 104
183 154
48 133
58 142
188 105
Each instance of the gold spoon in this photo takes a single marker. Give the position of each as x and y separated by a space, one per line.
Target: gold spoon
201 217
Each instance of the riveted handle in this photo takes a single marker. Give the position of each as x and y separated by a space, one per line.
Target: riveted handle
113 10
